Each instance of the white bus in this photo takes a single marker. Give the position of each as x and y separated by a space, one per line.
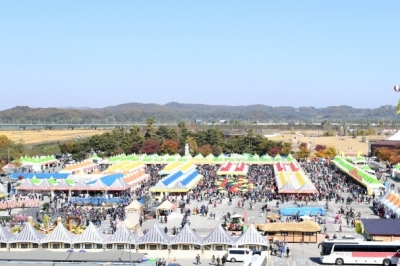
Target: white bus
341 252
256 260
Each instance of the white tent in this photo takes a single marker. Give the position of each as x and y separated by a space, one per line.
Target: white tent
252 237
118 185
122 236
166 205
134 206
218 236
154 236
186 236
59 235
28 235
90 235
395 136
5 236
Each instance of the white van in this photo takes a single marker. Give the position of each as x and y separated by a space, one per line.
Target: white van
238 254
256 260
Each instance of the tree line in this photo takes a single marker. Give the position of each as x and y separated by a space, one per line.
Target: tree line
172 140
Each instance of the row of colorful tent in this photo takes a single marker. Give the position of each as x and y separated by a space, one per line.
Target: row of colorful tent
370 181
290 179
116 182
391 202
178 181
199 158
229 168
91 235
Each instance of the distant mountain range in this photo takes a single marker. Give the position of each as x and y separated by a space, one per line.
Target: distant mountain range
174 112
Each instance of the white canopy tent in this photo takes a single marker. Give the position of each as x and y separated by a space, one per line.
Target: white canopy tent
396 136
5 236
90 235
186 236
59 235
252 237
122 236
154 236
28 235
218 236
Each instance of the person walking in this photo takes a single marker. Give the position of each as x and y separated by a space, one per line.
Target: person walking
213 260
218 260
198 259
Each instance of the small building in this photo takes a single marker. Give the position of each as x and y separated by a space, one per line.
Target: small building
28 238
59 238
390 144
252 239
186 240
154 239
217 240
381 229
302 232
91 238
121 239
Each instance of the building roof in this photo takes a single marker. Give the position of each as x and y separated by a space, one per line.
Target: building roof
81 185
28 235
62 185
39 175
42 255
386 143
90 235
218 236
59 235
186 236
382 227
5 236
122 235
154 236
118 185
305 226
252 237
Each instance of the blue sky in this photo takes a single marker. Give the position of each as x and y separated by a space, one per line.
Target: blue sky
278 53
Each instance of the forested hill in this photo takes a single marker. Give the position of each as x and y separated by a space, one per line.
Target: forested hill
139 112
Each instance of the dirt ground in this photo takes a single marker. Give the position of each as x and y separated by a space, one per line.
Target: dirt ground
346 143
43 136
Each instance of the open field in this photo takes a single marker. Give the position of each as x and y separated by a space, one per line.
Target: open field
43 136
341 143
48 136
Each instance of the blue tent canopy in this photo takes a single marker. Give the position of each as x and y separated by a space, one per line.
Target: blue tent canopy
108 179
39 176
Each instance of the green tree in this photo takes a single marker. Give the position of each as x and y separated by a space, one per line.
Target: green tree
149 128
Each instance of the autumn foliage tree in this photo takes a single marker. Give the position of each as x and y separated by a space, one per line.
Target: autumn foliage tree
384 154
150 146
320 147
274 151
170 146
205 149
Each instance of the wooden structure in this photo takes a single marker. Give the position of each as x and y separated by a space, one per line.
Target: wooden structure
302 232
